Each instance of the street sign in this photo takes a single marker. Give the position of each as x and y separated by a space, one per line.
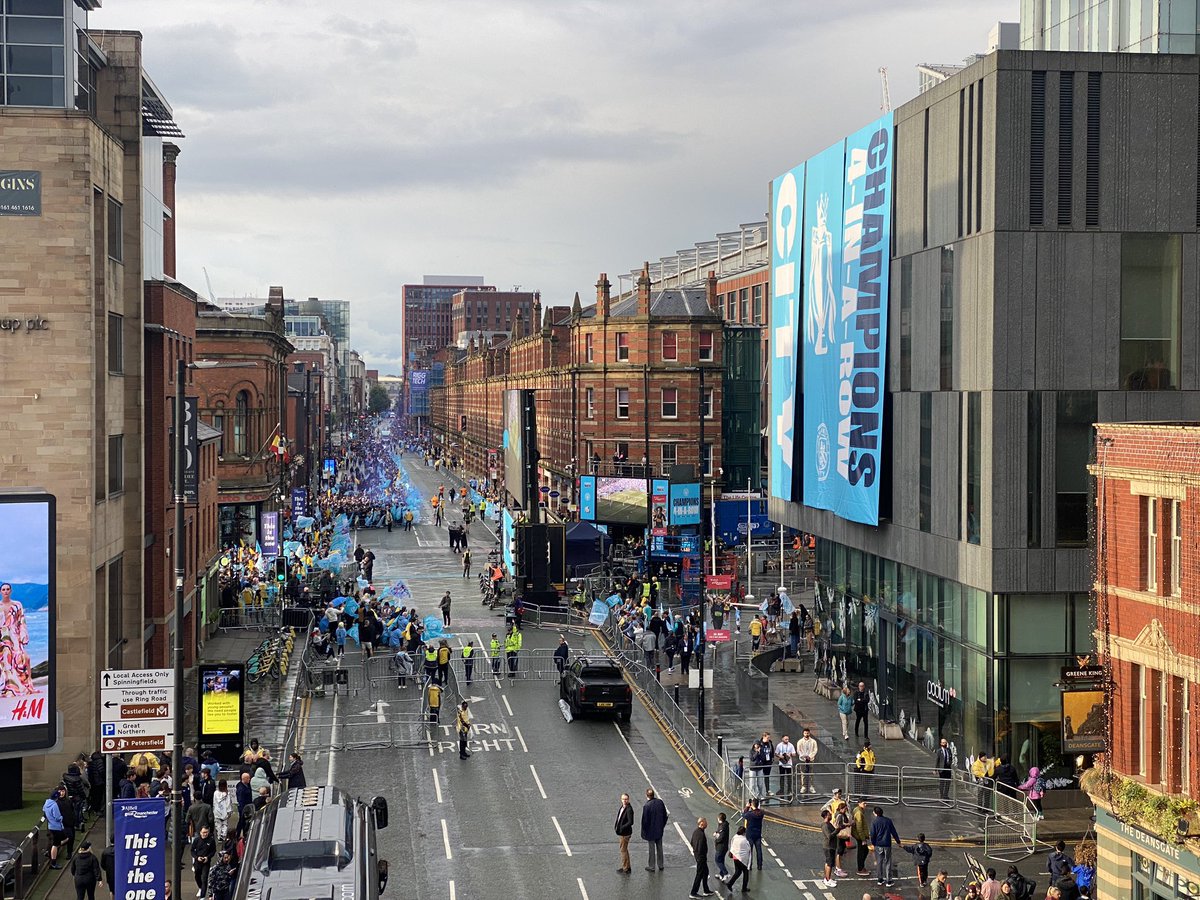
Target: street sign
137 710
717 635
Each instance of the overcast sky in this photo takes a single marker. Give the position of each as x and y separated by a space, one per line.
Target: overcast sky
344 149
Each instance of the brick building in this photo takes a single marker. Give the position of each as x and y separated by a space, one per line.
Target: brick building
619 383
425 315
1147 488
243 396
488 311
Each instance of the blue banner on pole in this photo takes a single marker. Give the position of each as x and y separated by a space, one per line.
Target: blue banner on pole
140 842
847 217
299 502
787 193
270 534
587 498
685 504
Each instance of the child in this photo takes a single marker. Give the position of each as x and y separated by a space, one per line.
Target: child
921 853
941 887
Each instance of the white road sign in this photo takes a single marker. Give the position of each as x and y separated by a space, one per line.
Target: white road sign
137 710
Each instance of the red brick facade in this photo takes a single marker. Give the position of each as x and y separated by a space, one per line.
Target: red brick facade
1148 598
489 310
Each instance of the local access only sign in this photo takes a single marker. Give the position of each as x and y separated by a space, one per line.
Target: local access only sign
137 710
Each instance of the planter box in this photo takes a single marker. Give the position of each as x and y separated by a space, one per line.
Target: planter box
890 731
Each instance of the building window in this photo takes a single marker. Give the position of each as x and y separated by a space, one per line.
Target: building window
116 463
622 346
1176 546
706 346
706 403
669 455
706 459
974 465
946 368
116 344
1141 721
241 424
730 301
906 278
757 297
925 473
1150 505
591 403
670 346
744 301
622 451
588 348
1150 310
115 599
670 403
1185 739
218 422
1076 414
116 230
1033 470
622 403
1164 730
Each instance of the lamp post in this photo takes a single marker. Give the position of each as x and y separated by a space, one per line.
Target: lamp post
177 551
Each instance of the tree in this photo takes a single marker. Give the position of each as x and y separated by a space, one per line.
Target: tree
379 401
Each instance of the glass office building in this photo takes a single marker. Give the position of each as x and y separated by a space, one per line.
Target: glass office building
1110 26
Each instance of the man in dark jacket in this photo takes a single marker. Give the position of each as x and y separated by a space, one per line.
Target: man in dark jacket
654 823
1006 776
1059 863
295 772
204 848
95 777
77 791
126 790
86 871
67 807
108 863
943 762
700 852
624 830
861 701
244 794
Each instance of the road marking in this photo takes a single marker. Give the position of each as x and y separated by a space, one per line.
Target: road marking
517 729
446 839
437 785
333 737
778 860
682 836
538 781
562 837
504 697
582 889
452 894
634 755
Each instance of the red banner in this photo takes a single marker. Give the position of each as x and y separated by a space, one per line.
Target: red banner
717 635
719 582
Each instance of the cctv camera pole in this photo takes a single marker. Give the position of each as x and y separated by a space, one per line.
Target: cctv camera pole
177 553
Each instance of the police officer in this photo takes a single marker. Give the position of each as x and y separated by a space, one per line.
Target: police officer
431 661
494 648
463 726
512 646
435 702
443 662
468 657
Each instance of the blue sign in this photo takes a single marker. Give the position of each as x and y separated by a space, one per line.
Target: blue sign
847 218
299 502
685 504
787 194
331 468
587 498
140 843
731 520
599 613
269 535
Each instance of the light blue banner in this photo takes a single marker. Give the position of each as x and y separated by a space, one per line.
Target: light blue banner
685 504
587 498
787 193
847 221
599 613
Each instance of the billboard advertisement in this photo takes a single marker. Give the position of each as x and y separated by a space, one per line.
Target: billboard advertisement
513 444
621 501
27 621
659 492
787 194
222 710
299 502
418 393
685 504
847 224
587 498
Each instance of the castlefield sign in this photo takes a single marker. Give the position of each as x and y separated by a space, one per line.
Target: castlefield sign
20 193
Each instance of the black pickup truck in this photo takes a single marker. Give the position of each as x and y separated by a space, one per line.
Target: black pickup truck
595 684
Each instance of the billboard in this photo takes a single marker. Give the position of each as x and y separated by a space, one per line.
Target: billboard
685 504
587 498
1083 721
222 709
787 192
418 393
518 413
621 501
659 492
299 502
847 225
28 606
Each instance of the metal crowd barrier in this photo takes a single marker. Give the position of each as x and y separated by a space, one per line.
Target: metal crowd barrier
260 618
23 866
532 665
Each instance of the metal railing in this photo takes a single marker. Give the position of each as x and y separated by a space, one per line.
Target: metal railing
259 618
531 665
23 866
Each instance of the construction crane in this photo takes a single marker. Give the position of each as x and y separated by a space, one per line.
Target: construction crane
886 105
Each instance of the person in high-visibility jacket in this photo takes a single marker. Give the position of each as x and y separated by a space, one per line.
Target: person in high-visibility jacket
468 658
443 662
512 646
431 661
435 702
494 649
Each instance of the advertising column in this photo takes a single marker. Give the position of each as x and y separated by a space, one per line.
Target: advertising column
786 196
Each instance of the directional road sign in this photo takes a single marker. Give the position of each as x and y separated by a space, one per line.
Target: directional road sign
137 710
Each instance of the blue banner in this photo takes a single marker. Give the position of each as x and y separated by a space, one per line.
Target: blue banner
587 498
270 534
299 502
685 504
731 520
599 614
140 842
787 192
847 217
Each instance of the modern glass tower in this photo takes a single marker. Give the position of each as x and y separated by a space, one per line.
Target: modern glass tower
1110 26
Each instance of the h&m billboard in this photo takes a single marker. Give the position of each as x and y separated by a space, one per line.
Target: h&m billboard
831 249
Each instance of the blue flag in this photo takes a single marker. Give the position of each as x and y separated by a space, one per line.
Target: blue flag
140 840
599 613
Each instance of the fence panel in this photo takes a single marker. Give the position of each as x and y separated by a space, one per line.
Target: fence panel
922 788
259 618
880 786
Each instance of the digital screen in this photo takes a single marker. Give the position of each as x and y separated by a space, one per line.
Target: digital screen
331 468
221 700
27 610
513 441
621 501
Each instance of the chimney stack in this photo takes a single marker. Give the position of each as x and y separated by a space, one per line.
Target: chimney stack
710 292
643 291
536 324
170 153
603 294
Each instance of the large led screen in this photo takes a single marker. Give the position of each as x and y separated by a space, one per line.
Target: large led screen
621 501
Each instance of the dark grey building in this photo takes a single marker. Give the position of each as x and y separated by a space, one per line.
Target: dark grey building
1044 276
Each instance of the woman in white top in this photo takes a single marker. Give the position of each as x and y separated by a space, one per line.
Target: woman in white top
222 806
739 849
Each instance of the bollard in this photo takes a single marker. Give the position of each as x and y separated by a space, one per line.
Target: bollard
658 674
721 746
676 695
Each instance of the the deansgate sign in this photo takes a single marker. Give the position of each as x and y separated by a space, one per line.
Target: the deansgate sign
20 193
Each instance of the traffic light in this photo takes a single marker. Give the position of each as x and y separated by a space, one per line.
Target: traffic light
281 569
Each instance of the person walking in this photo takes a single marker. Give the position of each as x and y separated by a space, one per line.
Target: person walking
654 823
700 886
444 606
494 650
845 706
468 658
921 854
864 766
463 725
861 702
1035 787
54 824
721 845
222 876
624 831
753 816
222 806
339 638
943 763
404 667
466 563
883 834
830 843
512 647
739 849
806 751
85 869
203 848
561 652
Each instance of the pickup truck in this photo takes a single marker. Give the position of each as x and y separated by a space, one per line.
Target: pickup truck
595 684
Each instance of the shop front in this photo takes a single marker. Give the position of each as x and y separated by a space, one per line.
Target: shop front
238 524
1136 864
